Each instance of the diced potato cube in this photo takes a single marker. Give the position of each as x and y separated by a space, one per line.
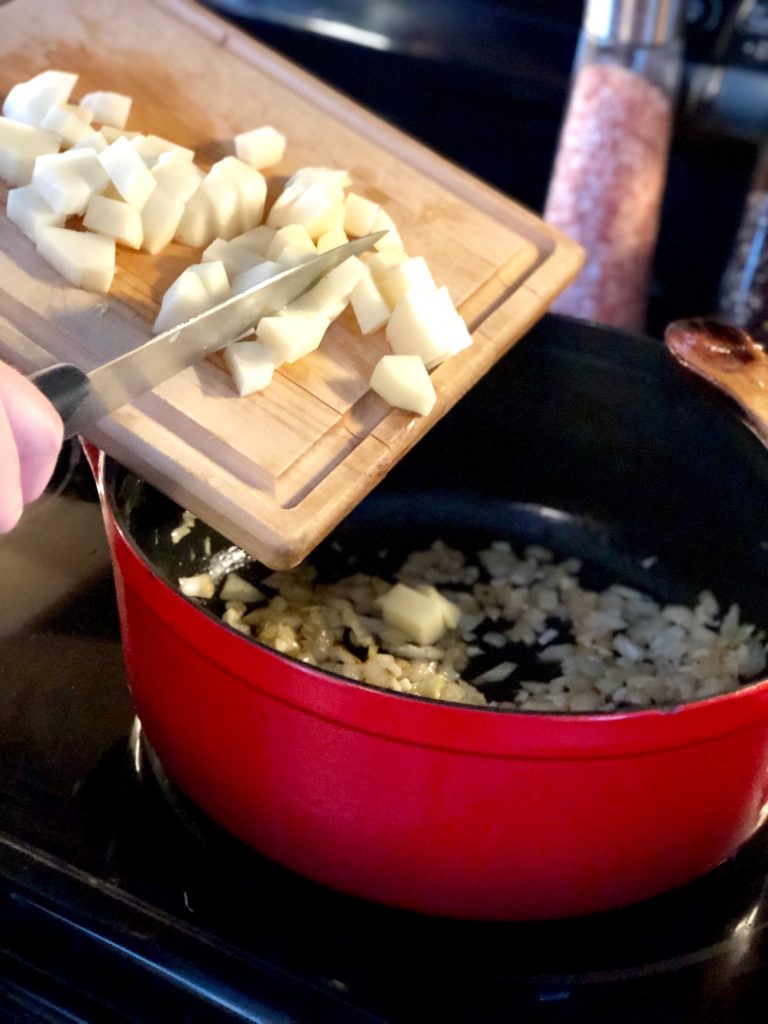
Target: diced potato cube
128 172
201 585
450 611
213 274
256 275
197 226
20 146
257 239
235 588
182 302
110 108
68 181
236 258
252 365
380 262
85 260
359 214
457 334
115 219
30 101
70 127
94 141
112 134
333 290
151 147
411 275
280 214
225 205
29 211
331 240
160 219
294 235
193 292
403 381
307 176
417 615
177 176
305 305
86 116
250 191
261 147
293 255
427 325
291 337
319 208
370 308
392 239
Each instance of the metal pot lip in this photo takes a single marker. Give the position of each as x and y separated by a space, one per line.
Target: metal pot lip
637 719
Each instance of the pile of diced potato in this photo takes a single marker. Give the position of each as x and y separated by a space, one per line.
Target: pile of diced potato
76 160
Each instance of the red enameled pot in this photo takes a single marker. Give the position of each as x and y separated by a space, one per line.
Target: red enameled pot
586 440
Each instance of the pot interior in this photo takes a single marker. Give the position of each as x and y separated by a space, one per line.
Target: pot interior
587 441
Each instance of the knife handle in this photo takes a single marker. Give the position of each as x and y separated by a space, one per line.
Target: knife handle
64 385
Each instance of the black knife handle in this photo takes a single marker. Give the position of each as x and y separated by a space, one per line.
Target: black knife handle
64 385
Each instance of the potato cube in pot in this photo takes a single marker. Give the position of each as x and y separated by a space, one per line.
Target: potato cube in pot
419 616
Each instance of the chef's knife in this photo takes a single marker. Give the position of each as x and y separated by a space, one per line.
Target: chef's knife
84 398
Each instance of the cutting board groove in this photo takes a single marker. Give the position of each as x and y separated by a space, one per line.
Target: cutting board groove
276 471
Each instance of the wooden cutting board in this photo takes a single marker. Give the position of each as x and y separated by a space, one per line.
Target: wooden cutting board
275 471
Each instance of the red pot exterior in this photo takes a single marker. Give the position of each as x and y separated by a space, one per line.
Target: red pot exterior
436 808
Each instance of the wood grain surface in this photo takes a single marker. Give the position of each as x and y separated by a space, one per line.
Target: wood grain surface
274 471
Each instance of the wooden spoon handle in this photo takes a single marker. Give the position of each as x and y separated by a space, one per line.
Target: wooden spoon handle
727 358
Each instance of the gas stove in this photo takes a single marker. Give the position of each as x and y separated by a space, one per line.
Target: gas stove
120 900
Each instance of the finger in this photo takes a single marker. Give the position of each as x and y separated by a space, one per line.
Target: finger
37 428
11 501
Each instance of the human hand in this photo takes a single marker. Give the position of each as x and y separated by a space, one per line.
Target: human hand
31 433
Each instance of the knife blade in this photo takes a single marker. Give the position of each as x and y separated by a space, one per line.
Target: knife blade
84 398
